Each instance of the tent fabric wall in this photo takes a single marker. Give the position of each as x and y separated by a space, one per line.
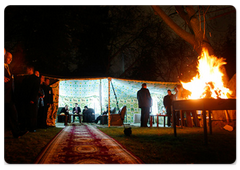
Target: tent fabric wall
90 91
52 110
126 91
83 92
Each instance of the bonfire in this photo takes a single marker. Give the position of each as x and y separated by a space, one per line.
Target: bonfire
208 83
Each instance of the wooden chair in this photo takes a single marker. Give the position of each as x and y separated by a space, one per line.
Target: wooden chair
117 119
63 118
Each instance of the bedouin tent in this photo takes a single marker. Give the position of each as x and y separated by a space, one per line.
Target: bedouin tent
96 93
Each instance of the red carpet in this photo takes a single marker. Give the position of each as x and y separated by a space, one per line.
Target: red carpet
85 145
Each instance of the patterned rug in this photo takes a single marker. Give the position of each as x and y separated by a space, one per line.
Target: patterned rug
85 144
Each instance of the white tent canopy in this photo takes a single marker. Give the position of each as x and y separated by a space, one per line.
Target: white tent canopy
96 93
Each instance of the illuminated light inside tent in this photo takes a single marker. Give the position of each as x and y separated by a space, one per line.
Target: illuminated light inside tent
154 105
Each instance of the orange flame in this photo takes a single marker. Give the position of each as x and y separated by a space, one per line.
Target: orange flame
208 83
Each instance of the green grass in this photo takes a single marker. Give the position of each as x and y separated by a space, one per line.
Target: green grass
151 145
158 145
26 149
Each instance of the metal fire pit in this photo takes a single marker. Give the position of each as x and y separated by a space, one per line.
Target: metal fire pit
202 104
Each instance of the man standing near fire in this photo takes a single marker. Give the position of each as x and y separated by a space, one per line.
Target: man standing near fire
144 102
167 102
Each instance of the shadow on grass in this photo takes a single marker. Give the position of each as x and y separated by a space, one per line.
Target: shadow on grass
26 149
158 145
151 145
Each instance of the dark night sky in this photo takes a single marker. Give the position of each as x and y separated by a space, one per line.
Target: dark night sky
60 40
58 37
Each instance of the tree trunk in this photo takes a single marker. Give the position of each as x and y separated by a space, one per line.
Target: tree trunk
197 39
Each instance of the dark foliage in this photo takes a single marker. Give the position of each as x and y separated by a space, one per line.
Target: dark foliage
61 40
118 41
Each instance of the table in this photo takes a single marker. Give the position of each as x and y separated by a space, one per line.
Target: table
158 115
66 120
80 117
104 119
202 104
164 119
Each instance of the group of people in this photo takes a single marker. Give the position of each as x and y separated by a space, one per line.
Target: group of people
27 99
87 113
145 103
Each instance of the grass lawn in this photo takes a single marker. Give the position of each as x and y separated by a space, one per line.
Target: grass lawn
26 149
151 145
158 145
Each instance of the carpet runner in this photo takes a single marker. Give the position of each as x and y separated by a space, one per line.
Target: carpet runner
85 144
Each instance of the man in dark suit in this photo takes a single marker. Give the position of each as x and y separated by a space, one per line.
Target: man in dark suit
31 84
100 117
65 110
167 102
76 112
144 102
10 109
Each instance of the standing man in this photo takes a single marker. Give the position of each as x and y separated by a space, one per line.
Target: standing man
167 102
10 110
76 112
31 84
144 102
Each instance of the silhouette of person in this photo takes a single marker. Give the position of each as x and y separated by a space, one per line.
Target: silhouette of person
10 111
144 102
31 84
76 112
167 102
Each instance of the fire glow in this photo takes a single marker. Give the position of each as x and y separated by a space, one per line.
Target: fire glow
208 83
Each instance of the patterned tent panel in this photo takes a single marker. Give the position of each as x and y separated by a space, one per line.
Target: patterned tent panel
94 94
52 110
126 91
79 88
129 88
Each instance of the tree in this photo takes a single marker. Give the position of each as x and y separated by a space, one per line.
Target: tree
142 47
59 40
192 16
127 26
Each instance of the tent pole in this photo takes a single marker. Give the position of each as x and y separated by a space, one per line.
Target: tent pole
109 81
100 96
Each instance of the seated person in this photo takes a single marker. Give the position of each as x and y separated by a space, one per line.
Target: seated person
88 114
105 113
65 110
76 112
